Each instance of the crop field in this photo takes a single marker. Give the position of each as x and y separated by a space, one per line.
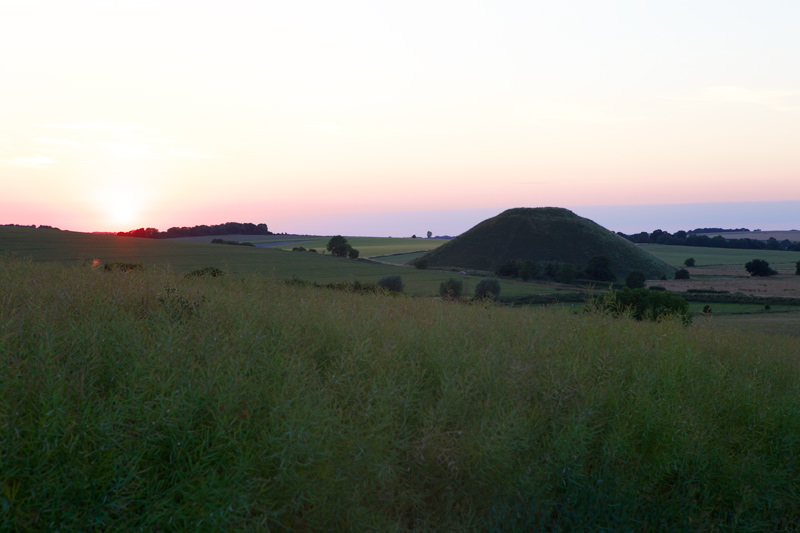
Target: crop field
716 257
137 400
147 400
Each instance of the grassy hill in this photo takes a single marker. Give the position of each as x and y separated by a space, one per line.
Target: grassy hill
544 234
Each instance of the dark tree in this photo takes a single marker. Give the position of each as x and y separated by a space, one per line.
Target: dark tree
599 269
487 288
682 274
430 234
635 279
797 268
689 262
451 289
352 253
759 267
392 283
527 270
338 246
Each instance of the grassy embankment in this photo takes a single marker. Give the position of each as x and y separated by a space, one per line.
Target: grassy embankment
150 401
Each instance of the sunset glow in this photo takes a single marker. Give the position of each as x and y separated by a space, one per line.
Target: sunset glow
311 115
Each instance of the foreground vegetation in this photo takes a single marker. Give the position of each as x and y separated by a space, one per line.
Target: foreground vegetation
135 399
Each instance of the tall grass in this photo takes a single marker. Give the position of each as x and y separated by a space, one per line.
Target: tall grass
143 400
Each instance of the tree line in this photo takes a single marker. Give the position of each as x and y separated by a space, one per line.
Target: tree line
228 228
688 238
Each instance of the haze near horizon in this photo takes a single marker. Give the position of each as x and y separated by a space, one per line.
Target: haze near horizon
389 118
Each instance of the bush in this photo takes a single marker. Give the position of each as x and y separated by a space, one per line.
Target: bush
487 288
759 267
689 262
214 272
451 289
682 274
635 279
392 283
123 267
797 268
528 270
599 269
509 269
352 253
566 273
642 304
421 263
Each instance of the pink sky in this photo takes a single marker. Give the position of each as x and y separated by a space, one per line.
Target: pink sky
351 117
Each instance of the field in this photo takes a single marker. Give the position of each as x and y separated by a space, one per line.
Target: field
151 401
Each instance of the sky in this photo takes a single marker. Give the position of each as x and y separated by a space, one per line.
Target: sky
389 118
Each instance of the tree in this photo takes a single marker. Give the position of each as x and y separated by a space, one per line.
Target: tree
682 274
635 279
392 283
430 234
599 269
759 267
339 247
451 289
487 288
797 268
689 262
527 270
566 273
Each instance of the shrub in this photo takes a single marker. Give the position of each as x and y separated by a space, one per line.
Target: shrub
487 288
689 262
566 273
635 279
797 268
599 269
123 267
451 289
421 263
759 267
682 274
352 253
207 271
642 304
299 249
392 283
528 270
508 269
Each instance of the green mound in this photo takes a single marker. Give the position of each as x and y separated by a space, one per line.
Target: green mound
544 234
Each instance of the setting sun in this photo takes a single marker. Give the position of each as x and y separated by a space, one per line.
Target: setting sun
122 207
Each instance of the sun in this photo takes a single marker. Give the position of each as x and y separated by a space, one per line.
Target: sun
122 207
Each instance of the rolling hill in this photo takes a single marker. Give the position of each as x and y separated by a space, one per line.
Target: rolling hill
544 234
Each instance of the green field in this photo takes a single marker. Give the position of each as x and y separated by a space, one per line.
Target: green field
712 257
274 263
151 401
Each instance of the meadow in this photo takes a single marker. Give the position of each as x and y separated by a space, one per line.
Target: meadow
148 400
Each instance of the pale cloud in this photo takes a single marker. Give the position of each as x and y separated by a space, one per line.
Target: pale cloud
37 161
325 128
774 99
190 154
61 142
126 150
98 126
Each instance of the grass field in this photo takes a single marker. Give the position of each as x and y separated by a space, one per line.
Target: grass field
715 257
149 401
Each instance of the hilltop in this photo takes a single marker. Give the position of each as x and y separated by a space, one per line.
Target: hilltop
544 234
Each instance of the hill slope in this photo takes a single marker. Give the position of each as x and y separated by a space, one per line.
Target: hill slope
544 234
